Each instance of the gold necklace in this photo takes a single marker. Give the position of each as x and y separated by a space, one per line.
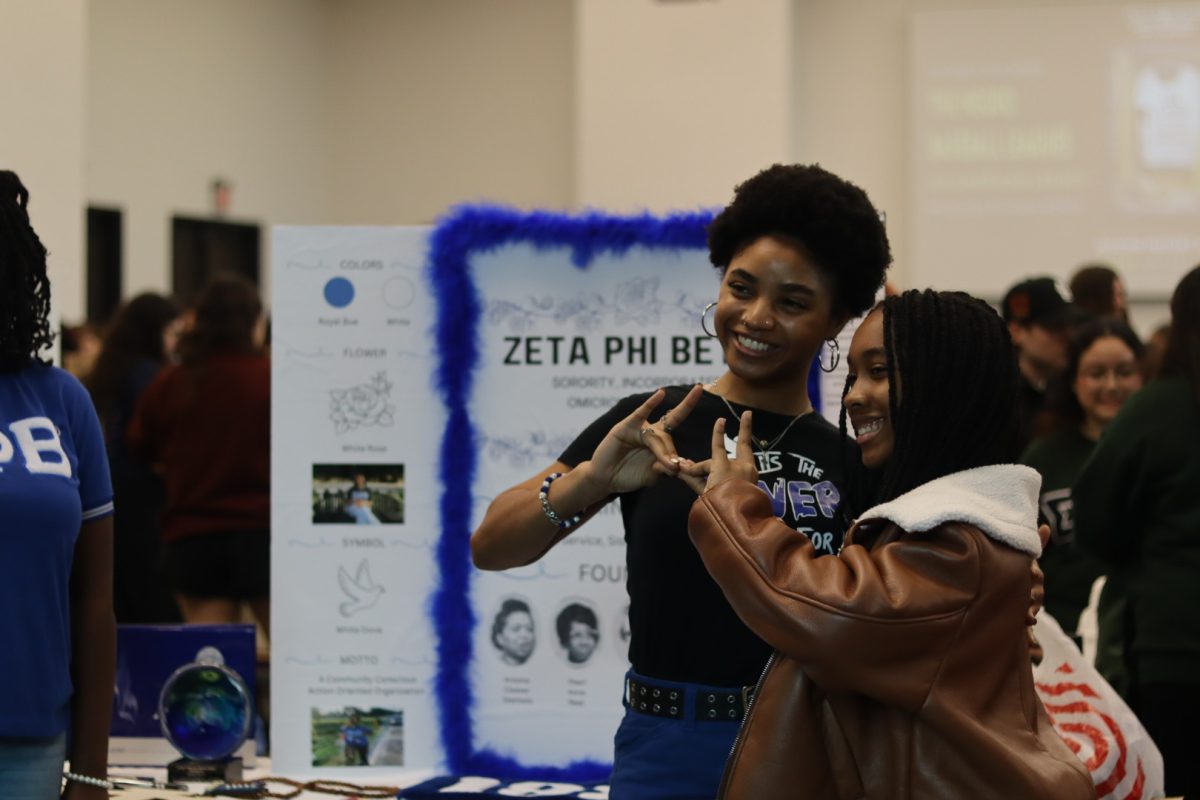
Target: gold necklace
765 446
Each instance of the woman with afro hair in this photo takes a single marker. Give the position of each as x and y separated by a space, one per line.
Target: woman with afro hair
799 251
901 665
56 540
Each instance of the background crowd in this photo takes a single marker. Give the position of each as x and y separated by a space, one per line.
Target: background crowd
1118 566
1111 423
183 397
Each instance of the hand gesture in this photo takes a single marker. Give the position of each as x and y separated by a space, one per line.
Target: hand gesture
704 475
636 452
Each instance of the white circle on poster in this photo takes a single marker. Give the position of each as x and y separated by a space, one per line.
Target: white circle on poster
398 293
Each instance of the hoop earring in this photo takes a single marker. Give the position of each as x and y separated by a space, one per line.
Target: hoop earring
834 360
703 315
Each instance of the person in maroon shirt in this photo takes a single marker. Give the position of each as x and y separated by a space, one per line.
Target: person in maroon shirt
206 423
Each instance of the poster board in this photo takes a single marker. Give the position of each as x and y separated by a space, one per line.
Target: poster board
544 321
351 567
438 367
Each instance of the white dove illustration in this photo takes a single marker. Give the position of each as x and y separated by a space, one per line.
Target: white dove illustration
361 590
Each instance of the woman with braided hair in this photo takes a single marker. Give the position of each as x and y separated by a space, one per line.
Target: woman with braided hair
901 667
56 540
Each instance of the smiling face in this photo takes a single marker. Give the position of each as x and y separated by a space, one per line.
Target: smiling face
1106 377
774 311
866 400
515 637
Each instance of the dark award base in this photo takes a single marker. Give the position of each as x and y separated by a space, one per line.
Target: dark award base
222 770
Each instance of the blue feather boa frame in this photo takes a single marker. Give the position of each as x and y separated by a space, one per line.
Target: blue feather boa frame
464 232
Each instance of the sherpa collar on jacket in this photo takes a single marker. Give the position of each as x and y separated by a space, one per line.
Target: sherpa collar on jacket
1000 500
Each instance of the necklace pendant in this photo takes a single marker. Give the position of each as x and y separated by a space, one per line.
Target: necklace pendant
762 444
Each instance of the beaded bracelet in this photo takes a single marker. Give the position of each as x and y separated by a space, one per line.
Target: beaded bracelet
544 499
88 780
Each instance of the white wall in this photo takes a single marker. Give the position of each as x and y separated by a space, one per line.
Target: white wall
323 111
679 101
851 106
42 45
436 103
850 98
388 111
180 92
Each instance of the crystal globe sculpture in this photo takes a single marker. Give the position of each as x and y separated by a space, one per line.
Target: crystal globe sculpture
205 708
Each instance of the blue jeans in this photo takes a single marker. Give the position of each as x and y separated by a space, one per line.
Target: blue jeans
31 769
363 515
659 758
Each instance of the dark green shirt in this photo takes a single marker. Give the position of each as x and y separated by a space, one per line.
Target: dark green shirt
1070 572
1137 507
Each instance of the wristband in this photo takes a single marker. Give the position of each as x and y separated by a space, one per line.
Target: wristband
544 499
88 780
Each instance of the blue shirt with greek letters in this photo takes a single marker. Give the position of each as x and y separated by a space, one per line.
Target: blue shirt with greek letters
53 478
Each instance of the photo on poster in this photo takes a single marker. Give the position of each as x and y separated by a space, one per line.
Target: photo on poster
514 634
349 736
358 494
578 629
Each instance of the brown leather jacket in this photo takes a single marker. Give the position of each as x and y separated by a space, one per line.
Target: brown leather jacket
902 666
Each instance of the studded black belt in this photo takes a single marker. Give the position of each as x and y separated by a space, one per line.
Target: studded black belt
662 700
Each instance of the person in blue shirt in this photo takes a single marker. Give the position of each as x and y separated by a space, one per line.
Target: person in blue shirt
355 738
359 502
58 629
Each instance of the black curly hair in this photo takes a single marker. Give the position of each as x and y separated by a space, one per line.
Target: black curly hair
575 612
509 607
830 218
951 357
24 287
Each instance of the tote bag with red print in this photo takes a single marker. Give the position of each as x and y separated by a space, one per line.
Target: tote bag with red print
1094 721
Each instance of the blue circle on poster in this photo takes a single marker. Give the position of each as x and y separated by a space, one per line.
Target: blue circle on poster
339 292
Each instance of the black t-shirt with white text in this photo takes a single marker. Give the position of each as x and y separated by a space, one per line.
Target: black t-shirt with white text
682 628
